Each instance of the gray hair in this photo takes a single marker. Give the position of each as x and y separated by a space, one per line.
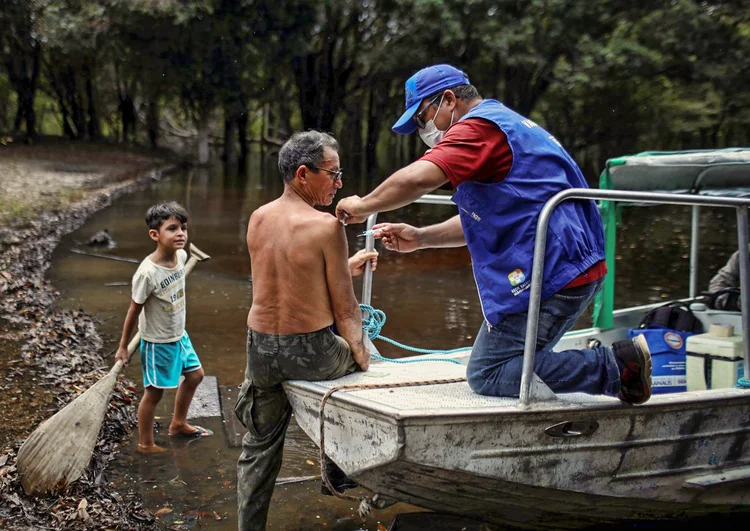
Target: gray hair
466 92
161 212
304 149
462 92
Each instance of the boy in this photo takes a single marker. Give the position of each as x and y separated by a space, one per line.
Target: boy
158 302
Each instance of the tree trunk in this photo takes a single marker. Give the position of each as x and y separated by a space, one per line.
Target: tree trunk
27 105
374 121
204 148
128 118
523 89
351 138
152 123
230 149
31 132
242 122
18 120
55 83
412 141
70 91
94 126
23 73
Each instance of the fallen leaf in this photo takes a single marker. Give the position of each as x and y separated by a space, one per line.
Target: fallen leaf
82 513
14 499
163 510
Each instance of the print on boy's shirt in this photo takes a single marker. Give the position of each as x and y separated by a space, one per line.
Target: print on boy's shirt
174 308
172 278
177 295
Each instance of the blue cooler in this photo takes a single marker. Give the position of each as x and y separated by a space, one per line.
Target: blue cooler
669 366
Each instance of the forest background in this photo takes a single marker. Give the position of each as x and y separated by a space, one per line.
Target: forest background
606 77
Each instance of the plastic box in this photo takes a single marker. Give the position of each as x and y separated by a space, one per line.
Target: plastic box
667 346
714 362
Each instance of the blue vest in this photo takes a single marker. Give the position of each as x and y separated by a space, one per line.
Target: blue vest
499 219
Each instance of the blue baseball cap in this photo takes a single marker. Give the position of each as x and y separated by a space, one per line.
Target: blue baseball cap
423 84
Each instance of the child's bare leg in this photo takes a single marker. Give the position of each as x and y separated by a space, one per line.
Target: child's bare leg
146 413
185 393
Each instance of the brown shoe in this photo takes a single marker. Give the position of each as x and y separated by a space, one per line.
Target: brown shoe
634 360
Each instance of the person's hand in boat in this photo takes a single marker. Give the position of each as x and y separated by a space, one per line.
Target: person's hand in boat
362 357
398 237
351 210
358 261
122 354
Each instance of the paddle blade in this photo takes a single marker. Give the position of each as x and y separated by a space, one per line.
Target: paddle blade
59 450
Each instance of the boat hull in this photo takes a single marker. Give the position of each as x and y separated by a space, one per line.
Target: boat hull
510 504
676 457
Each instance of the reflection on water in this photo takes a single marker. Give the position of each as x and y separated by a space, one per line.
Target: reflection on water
429 298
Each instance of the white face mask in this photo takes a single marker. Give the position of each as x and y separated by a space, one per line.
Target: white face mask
431 135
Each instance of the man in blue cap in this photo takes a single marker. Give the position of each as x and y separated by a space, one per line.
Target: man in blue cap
504 167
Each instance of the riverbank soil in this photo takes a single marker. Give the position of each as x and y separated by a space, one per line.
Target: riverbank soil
48 357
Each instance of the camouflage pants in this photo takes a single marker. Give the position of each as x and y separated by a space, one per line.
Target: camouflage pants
263 408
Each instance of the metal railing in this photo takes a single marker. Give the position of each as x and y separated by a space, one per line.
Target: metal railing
540 247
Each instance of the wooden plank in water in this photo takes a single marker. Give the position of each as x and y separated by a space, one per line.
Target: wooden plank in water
233 430
205 402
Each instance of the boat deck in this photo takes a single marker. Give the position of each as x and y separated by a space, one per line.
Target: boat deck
396 387
419 388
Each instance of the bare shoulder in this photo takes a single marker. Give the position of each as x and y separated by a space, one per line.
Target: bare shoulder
328 226
259 219
258 214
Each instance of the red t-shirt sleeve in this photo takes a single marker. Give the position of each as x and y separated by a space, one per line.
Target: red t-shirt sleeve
472 150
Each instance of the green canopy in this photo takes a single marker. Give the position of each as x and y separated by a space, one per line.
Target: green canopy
707 172
722 171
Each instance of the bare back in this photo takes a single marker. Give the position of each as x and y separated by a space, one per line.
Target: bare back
289 242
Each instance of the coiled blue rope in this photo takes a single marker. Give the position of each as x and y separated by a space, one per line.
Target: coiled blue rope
743 383
373 323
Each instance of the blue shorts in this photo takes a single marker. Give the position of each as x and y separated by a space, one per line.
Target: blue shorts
163 363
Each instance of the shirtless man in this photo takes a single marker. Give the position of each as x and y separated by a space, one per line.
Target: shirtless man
301 286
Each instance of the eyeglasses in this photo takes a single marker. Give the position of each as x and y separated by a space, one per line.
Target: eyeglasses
418 117
336 174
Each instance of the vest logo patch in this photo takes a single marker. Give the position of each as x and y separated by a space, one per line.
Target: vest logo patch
516 277
518 282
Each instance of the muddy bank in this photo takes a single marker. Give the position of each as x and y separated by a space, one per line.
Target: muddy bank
48 357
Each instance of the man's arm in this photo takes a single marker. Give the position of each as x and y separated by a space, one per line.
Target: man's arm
728 276
127 330
405 238
400 189
344 305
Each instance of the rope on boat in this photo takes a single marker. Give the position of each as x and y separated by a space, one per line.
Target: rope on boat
365 504
374 323
743 383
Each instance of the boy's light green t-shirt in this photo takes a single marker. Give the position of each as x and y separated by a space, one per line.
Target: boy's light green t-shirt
161 290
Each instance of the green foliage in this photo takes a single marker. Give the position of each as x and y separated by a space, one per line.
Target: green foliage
606 77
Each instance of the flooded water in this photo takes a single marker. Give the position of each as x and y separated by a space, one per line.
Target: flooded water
429 298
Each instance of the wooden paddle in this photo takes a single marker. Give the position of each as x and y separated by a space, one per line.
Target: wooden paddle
59 450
